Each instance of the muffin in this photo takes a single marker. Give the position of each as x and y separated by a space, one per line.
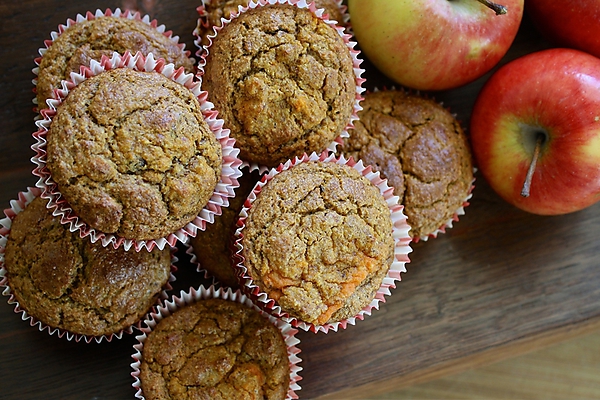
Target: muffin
71 284
78 43
211 12
218 347
421 149
211 248
318 239
132 154
283 80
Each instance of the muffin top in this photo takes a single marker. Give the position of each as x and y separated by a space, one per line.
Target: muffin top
212 246
421 149
318 240
91 39
282 80
214 10
132 154
215 349
71 283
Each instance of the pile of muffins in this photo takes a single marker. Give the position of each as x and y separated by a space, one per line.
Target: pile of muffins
292 189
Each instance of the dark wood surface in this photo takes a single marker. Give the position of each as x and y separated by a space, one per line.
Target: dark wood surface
499 283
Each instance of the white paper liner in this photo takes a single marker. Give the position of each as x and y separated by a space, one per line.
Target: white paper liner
400 230
203 53
224 189
194 295
189 250
128 14
194 259
18 205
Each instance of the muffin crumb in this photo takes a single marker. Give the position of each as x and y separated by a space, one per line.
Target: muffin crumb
421 149
215 349
283 81
73 284
132 154
318 240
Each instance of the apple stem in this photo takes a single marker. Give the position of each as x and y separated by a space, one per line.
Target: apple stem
498 8
536 153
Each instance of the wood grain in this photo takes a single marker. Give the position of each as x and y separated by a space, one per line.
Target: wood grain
567 370
501 282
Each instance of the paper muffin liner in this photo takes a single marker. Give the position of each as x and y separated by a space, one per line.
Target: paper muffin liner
60 207
128 14
189 250
347 37
202 293
207 274
400 230
17 206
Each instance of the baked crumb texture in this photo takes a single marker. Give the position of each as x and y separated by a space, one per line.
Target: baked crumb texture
284 81
68 285
320 240
219 347
132 153
421 149
90 36
210 13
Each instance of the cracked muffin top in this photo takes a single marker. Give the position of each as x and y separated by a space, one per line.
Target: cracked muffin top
214 10
282 80
73 284
212 246
91 39
421 149
132 154
318 240
215 349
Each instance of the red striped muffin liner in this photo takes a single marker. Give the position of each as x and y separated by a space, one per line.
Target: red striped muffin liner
358 71
400 230
199 266
128 14
189 250
211 292
17 206
224 189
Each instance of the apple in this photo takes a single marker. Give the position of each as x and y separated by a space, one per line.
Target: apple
434 44
569 23
540 113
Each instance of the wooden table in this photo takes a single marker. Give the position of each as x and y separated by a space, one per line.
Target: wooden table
499 283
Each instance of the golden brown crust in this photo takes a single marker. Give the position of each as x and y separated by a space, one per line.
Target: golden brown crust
214 10
318 239
69 283
283 82
104 35
421 149
212 246
215 349
132 154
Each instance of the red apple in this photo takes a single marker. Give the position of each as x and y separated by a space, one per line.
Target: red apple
552 96
569 23
434 44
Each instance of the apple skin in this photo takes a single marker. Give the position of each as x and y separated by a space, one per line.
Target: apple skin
433 44
568 23
554 91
